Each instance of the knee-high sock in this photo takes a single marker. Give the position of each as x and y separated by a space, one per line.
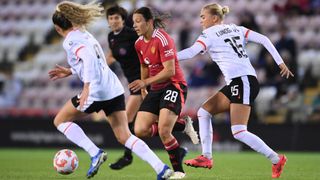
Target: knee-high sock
75 134
240 133
206 132
173 149
142 150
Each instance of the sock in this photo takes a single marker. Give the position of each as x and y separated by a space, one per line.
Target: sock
142 150
75 134
240 133
173 149
179 126
206 132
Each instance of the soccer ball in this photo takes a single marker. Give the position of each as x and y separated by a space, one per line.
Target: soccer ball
65 161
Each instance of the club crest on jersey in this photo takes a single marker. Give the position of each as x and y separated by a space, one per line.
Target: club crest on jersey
122 51
70 43
203 35
153 49
146 61
168 53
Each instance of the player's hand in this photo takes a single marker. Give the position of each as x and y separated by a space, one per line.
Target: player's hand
285 71
144 92
137 85
84 95
59 72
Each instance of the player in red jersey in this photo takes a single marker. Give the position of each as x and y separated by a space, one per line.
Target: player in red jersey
168 89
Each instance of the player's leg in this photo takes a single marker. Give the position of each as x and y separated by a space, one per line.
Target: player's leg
214 105
132 107
120 128
176 153
63 122
240 108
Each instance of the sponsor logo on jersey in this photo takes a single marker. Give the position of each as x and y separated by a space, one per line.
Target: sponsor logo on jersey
203 35
153 49
168 53
146 61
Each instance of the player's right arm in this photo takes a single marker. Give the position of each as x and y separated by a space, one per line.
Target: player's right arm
60 72
200 46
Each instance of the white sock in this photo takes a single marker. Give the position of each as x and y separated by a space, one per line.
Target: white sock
240 133
75 134
206 132
142 150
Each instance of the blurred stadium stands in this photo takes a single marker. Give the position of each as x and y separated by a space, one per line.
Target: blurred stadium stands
28 41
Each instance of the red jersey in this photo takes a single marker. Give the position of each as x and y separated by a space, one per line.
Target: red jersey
153 53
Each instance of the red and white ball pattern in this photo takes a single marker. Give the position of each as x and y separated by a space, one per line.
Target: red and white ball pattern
65 161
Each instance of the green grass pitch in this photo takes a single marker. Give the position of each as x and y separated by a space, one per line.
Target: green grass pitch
37 164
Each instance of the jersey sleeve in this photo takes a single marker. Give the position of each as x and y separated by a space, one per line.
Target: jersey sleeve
88 65
263 40
204 40
136 46
166 48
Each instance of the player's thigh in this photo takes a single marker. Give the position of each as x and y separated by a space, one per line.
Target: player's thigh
119 125
239 114
133 105
144 121
167 119
217 103
67 113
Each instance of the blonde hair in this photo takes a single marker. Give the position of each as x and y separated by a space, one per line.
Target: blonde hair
78 14
217 9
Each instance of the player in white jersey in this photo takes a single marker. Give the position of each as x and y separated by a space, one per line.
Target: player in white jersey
102 90
226 45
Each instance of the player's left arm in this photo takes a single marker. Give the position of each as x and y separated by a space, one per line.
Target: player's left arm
265 41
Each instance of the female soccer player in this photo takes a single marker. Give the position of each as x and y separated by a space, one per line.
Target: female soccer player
102 90
225 44
159 69
121 48
121 43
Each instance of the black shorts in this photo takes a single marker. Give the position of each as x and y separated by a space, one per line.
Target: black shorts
242 90
172 97
108 106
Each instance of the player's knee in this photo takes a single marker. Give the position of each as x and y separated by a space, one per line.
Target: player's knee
239 131
56 122
141 132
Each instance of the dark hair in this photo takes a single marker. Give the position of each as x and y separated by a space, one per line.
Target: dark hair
117 10
157 18
60 20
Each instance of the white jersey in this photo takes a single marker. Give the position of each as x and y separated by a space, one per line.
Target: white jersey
225 44
87 60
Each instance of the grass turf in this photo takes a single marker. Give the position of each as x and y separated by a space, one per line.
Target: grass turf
37 164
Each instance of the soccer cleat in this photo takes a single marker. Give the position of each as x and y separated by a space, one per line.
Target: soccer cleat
165 173
189 130
121 163
178 175
96 162
199 161
277 168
